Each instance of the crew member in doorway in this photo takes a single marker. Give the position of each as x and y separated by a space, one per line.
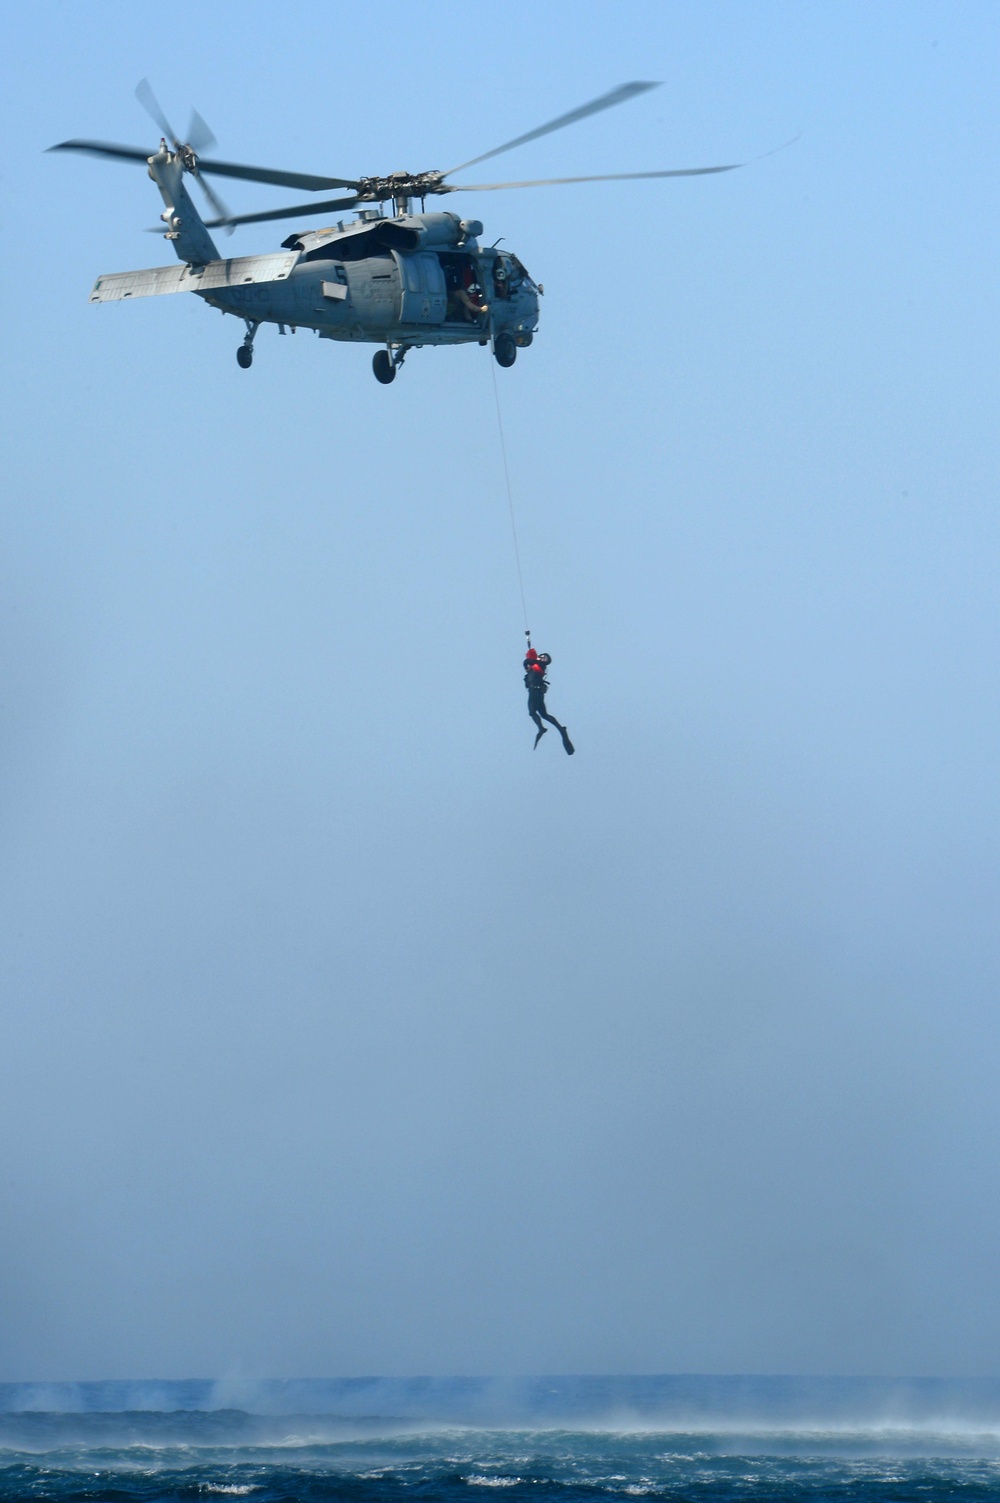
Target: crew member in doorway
465 301
535 667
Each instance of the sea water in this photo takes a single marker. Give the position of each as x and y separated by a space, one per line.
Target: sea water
697 1438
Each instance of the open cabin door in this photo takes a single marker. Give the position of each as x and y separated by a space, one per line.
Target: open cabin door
424 297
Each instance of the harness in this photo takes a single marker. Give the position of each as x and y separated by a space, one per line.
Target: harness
534 677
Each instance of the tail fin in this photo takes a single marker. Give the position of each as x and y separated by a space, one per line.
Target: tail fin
185 227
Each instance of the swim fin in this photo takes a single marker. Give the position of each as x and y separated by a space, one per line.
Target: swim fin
538 738
568 746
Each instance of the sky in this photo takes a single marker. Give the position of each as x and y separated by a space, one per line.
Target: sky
342 1033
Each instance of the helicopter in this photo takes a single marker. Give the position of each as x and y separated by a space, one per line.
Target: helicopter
401 280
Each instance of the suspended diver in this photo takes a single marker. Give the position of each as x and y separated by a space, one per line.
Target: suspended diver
535 666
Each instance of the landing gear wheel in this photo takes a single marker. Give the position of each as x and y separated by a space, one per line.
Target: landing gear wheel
504 349
383 367
244 357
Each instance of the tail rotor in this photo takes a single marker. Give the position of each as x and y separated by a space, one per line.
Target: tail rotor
150 103
200 135
200 138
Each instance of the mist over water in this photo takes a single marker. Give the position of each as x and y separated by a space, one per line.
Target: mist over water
672 1436
679 1402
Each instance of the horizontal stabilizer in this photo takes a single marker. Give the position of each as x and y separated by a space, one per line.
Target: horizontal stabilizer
234 272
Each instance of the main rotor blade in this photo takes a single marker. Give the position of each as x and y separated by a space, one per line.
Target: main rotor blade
601 177
297 211
304 180
604 102
150 103
220 208
105 149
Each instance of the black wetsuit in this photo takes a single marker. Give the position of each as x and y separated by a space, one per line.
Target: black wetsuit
536 684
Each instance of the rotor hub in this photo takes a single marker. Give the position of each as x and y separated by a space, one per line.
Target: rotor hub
400 185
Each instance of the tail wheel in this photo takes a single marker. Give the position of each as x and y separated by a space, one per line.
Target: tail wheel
383 367
244 357
504 349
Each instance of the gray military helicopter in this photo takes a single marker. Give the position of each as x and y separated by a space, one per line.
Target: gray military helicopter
400 281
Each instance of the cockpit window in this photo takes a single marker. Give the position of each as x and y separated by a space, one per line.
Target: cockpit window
502 277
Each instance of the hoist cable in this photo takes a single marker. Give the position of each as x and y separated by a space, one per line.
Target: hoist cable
510 502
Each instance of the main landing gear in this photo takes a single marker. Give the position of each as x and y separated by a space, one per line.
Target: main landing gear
385 363
383 367
244 355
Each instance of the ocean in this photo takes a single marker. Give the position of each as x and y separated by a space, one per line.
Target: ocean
669 1437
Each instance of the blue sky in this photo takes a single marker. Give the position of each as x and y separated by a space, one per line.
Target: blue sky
341 1032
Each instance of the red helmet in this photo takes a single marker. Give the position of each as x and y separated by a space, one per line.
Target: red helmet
531 654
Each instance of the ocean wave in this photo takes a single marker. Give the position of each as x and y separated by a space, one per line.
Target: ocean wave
183 1455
